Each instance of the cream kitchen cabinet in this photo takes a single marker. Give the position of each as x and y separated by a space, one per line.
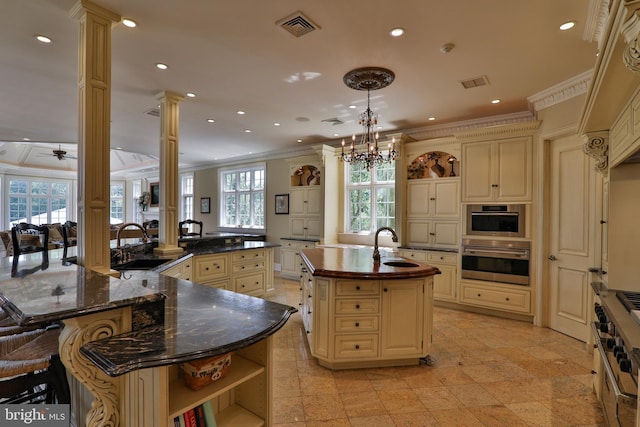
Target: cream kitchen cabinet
439 198
366 323
433 232
290 262
498 296
445 284
305 200
497 171
182 270
306 227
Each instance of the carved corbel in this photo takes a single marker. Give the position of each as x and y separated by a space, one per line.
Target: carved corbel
630 31
597 146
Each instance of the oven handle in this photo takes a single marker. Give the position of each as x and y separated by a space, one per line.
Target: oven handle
483 213
496 253
625 398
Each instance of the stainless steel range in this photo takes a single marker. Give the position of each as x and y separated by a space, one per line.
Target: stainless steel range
617 340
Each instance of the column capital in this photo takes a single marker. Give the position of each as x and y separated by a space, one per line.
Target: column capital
83 6
169 96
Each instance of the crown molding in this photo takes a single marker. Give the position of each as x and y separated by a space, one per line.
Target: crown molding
495 132
597 17
561 92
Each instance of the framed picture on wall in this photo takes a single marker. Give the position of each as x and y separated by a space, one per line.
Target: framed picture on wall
154 189
205 204
282 204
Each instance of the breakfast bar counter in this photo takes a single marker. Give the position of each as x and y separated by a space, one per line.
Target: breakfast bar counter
123 339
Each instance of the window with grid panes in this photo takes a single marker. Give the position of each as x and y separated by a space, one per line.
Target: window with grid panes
116 204
370 197
186 194
242 197
38 201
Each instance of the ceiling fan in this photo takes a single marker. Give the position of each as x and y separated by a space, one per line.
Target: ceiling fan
60 154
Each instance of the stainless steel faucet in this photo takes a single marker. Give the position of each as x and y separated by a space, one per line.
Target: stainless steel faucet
119 252
376 252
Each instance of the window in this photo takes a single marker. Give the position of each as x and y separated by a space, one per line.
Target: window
371 197
242 197
186 194
116 204
38 201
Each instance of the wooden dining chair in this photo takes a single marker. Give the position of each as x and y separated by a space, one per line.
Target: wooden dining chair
70 233
28 238
185 225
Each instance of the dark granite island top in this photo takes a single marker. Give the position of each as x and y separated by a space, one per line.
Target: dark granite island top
200 321
357 263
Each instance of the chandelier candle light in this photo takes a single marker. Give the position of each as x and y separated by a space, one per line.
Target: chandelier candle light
368 78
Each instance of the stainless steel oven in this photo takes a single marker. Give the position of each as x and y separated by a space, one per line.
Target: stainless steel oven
505 261
496 220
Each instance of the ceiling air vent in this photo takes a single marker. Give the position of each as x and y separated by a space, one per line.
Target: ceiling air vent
297 24
155 112
475 82
334 121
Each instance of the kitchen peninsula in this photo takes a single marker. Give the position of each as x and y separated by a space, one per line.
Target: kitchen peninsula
359 313
123 339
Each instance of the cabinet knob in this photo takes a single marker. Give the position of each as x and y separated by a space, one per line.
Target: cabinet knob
357 288
479 295
357 346
494 185
206 268
432 198
507 299
385 289
357 325
432 234
358 306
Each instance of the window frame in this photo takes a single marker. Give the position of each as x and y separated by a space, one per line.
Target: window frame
29 216
248 195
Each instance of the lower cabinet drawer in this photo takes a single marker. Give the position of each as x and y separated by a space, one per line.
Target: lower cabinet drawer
242 256
356 346
250 283
442 257
360 305
248 266
355 288
356 324
504 299
210 267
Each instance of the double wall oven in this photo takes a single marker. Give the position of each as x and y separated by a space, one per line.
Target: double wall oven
505 261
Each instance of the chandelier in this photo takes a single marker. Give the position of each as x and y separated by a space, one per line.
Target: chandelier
367 152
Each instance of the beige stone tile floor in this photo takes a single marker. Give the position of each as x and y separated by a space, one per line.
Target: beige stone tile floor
486 371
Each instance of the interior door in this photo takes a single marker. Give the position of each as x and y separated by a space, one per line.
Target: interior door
572 211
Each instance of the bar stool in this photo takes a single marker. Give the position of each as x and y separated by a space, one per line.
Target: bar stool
189 222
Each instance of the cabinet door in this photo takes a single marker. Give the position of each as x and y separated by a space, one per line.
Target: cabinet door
418 232
513 170
314 200
288 261
402 332
445 233
444 284
476 172
446 198
418 198
297 199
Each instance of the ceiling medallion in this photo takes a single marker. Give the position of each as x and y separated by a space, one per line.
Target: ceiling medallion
368 78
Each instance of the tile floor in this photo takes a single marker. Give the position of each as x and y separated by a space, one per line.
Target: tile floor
487 371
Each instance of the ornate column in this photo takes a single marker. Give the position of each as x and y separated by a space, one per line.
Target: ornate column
597 146
630 31
94 114
169 179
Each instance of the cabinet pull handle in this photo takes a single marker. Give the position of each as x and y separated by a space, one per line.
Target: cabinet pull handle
357 325
432 234
357 288
479 295
358 306
357 346
507 298
385 289
494 185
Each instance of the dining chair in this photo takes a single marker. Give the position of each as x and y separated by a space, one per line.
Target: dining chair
185 226
70 233
151 227
27 238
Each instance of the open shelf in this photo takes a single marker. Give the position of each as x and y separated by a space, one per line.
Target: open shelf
183 398
236 416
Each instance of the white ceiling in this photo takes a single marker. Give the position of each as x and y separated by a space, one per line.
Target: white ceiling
233 56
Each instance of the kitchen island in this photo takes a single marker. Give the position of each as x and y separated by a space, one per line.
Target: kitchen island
359 313
123 340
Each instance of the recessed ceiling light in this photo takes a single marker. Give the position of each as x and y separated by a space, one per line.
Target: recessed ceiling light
336 134
26 139
431 119
191 94
118 148
240 112
161 66
43 39
298 140
495 101
567 25
247 131
211 120
129 23
396 32
276 124
353 107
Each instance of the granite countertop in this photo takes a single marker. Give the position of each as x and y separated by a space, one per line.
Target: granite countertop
429 248
200 321
357 263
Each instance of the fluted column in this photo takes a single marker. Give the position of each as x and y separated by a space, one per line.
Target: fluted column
94 117
169 178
